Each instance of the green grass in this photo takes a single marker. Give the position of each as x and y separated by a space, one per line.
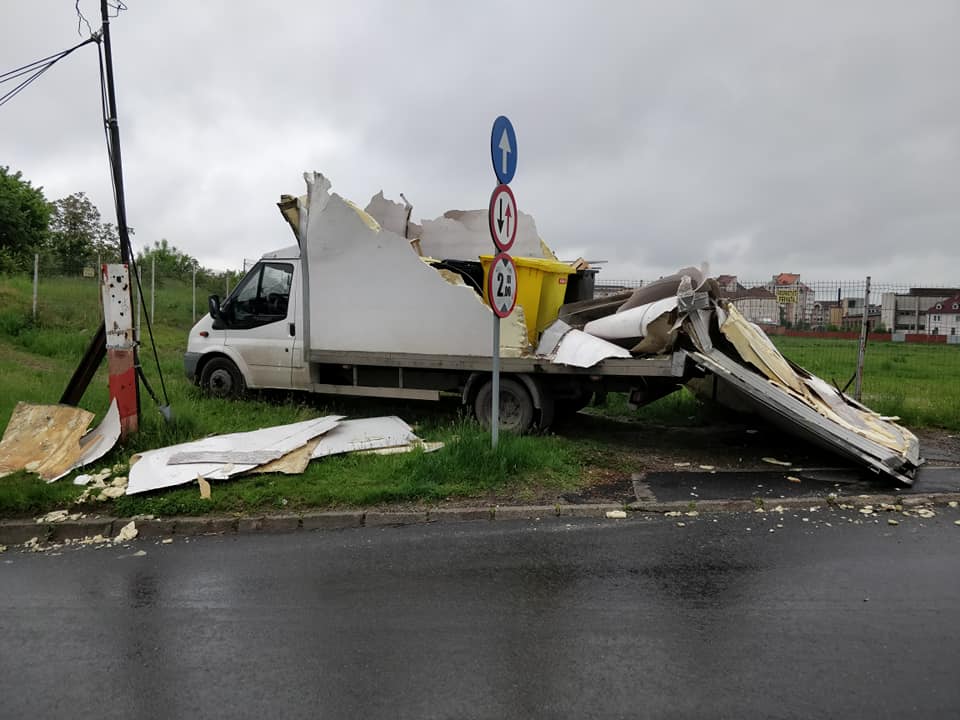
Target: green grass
918 383
37 359
921 384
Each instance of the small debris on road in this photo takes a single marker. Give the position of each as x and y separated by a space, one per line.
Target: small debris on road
166 541
774 461
140 553
616 514
127 533
793 478
891 521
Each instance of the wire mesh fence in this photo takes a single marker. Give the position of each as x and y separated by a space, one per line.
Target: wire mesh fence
911 366
911 362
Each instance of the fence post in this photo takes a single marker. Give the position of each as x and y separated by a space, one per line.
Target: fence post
194 292
36 277
153 287
864 326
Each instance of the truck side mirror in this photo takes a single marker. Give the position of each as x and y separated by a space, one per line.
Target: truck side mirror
213 305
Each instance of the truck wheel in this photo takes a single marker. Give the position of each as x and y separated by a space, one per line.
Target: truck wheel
221 379
516 406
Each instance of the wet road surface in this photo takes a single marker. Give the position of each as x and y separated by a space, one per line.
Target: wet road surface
587 618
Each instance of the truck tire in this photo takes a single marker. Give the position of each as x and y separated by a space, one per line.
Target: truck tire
516 406
221 379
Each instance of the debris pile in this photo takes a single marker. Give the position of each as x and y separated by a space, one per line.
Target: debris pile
734 363
284 449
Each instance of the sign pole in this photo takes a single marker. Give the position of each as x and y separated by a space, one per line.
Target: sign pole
502 276
495 413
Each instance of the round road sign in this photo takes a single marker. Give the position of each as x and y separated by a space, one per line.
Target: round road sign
503 217
502 285
503 149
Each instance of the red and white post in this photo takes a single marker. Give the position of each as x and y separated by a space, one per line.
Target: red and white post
121 357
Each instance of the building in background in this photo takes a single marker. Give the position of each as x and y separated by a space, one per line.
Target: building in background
757 303
907 312
795 299
943 317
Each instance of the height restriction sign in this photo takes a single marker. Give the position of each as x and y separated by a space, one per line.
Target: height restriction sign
502 285
503 217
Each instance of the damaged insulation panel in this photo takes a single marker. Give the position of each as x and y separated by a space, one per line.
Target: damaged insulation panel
369 292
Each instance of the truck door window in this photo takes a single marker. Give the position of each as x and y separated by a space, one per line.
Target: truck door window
262 296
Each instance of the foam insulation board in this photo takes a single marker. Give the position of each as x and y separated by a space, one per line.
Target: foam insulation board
369 292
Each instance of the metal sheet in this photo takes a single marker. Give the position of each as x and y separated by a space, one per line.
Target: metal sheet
149 470
792 413
365 434
580 349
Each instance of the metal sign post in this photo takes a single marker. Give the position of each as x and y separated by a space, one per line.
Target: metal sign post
502 276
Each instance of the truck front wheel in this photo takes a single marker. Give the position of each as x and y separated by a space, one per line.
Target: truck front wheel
516 406
221 379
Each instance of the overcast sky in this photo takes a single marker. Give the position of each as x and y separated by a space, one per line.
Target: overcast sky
813 137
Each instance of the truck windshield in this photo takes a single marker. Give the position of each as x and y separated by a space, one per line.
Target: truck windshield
262 296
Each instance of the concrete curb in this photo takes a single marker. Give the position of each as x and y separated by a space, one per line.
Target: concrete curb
17 532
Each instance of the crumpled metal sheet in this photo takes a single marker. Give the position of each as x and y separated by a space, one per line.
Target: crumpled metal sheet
52 440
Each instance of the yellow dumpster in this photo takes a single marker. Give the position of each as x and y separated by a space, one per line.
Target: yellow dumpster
541 285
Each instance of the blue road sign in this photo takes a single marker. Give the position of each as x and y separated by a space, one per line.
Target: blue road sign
503 149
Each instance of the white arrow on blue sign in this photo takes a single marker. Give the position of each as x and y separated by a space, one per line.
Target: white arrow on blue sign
503 149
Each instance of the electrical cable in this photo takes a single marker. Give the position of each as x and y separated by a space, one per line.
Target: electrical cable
38 68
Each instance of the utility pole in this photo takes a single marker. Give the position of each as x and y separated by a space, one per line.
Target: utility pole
120 347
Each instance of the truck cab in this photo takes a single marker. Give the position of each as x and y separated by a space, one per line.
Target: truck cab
253 338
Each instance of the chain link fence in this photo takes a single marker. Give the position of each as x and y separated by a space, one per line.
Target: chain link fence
911 356
911 360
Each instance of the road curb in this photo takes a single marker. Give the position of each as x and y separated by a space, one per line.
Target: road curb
18 532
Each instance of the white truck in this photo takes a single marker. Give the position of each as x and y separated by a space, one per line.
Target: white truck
357 307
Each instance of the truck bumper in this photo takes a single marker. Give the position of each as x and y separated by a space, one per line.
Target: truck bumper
190 362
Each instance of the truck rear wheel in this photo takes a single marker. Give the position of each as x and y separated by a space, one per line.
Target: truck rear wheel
516 406
221 378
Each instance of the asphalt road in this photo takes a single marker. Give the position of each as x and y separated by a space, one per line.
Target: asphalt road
588 618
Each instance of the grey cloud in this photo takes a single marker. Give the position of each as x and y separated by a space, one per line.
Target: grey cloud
808 136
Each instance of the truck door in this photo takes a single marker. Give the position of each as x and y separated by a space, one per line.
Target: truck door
259 323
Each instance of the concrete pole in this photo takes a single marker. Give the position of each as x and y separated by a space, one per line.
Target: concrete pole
139 301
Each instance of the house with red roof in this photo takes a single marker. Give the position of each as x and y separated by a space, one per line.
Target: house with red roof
943 317
795 299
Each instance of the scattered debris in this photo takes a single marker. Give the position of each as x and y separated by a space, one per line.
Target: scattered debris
681 464
166 541
672 513
774 461
793 478
891 521
707 467
204 488
952 503
112 492
139 553
53 517
127 533
3 548
925 513
616 514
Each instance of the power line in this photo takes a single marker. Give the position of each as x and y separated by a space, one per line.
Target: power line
35 69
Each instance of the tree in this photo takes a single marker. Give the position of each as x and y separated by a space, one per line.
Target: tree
24 218
169 260
77 234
